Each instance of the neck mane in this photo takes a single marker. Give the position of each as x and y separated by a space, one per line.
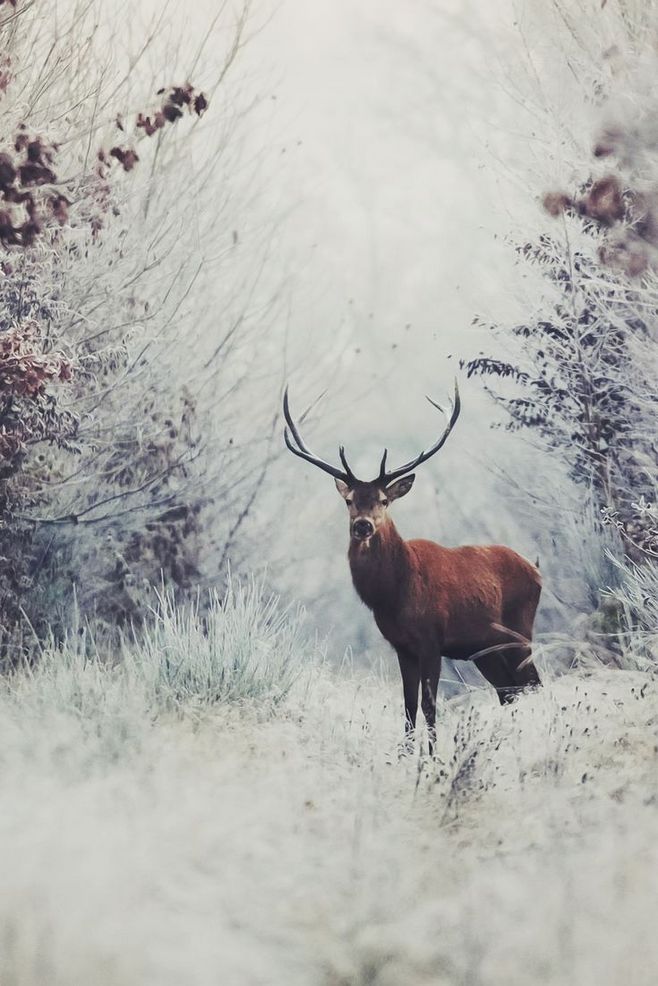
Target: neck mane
380 568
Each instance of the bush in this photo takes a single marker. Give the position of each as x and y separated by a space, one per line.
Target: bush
239 647
100 428
579 373
242 647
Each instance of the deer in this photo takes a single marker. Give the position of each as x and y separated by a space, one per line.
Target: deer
470 603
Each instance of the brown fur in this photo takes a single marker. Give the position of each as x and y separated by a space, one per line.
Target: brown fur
468 603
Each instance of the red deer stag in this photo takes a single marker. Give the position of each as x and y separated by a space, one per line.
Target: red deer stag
468 603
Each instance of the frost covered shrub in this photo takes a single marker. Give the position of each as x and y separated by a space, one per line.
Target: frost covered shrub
239 646
242 647
636 595
579 373
100 431
586 369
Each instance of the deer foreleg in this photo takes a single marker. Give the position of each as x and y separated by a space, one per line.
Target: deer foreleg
430 672
410 671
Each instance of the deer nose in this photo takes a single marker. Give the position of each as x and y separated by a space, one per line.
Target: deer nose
362 528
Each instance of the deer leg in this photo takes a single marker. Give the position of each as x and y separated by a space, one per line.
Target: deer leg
430 670
501 669
410 671
526 676
494 668
520 620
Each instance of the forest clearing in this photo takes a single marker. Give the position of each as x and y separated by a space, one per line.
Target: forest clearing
211 768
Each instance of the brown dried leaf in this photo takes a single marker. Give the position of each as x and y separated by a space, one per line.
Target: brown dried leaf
555 203
7 232
604 201
29 232
200 104
171 112
36 174
59 206
7 171
126 156
181 95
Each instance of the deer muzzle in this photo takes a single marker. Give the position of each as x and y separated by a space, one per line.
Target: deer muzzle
362 529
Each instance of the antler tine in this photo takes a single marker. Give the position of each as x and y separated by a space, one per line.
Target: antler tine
424 456
350 475
291 424
382 467
300 448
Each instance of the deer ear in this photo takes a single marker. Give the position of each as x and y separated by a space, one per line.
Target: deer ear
400 487
342 488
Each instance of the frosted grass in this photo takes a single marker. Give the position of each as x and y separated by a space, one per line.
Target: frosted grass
240 647
152 834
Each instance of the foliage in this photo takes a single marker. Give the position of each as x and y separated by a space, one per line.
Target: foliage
586 372
579 373
242 646
99 439
636 596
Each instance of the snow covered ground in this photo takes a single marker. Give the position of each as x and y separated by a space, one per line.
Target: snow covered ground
150 836
217 805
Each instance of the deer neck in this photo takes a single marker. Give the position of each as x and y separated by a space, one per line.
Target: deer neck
380 568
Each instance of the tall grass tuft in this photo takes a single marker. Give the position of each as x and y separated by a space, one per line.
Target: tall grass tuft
242 646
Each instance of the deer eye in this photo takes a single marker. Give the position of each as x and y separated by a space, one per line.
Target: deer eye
384 503
349 503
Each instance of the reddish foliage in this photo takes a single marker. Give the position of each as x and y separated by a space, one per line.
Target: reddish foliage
200 104
8 235
177 99
181 95
556 203
29 232
627 220
7 171
36 174
20 178
37 206
171 112
604 201
148 125
126 156
59 208
24 371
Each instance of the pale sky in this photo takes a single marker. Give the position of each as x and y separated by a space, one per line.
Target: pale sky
373 132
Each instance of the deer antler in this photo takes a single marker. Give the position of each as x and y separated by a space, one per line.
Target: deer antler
388 477
299 448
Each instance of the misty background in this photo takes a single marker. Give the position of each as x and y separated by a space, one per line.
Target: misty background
346 214
204 203
387 158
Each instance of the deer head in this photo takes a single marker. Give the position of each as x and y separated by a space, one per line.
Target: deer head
367 501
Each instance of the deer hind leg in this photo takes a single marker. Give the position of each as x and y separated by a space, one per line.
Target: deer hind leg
519 657
509 670
523 668
495 668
